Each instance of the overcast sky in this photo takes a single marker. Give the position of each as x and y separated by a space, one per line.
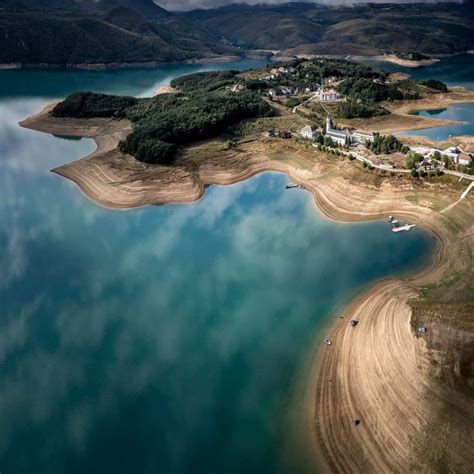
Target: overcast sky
192 4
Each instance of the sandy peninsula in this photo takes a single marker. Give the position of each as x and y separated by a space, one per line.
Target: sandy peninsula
394 59
379 372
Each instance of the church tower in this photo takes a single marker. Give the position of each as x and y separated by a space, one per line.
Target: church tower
328 123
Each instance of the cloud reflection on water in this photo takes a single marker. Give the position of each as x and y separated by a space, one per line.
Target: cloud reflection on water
168 333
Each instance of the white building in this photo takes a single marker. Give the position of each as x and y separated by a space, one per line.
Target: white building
307 132
347 137
452 153
464 159
360 137
330 95
339 136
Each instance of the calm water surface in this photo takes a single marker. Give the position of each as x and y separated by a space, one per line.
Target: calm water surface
166 339
456 70
460 112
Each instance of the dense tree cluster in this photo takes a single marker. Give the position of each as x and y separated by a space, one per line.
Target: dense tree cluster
436 85
163 122
205 81
409 89
89 104
365 94
352 109
368 91
256 85
168 120
384 144
413 56
413 159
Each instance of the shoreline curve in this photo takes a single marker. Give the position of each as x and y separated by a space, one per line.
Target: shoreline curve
383 391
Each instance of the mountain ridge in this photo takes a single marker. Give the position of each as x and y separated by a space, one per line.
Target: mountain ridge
68 33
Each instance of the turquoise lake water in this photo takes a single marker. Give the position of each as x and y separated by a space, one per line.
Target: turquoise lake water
167 339
459 112
456 70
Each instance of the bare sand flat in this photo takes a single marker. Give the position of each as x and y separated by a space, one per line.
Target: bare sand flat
392 58
165 90
377 372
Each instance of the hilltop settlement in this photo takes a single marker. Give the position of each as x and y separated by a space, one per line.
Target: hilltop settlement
320 100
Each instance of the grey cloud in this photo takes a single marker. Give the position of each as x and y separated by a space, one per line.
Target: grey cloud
176 5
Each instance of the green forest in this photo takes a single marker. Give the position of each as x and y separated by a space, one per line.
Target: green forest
205 81
163 123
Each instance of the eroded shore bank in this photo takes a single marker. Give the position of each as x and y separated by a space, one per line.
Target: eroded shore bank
378 373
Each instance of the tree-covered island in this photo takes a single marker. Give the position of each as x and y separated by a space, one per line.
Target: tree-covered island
207 104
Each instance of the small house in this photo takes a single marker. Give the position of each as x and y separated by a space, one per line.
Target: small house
330 95
464 159
307 132
426 165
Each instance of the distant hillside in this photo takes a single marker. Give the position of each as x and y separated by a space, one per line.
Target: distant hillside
306 28
93 32
264 29
34 37
146 8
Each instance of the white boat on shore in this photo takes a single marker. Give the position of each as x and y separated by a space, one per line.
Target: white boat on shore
403 228
397 227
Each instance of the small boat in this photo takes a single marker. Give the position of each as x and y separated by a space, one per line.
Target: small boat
354 323
294 186
402 228
328 341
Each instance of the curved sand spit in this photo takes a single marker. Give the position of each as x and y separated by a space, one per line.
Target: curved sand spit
376 372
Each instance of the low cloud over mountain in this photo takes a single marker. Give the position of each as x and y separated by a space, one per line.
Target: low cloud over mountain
193 4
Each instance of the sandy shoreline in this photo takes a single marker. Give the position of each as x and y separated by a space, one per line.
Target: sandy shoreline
392 58
390 392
